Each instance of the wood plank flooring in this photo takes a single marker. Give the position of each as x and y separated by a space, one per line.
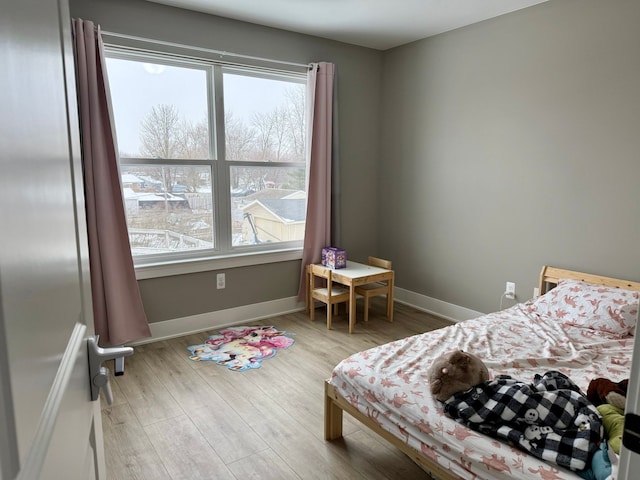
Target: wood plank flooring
177 419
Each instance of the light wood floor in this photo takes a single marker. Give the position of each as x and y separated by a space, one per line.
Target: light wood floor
177 419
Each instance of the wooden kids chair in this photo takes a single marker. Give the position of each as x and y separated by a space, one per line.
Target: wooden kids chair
375 289
326 293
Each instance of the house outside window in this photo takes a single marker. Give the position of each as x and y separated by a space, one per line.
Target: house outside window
212 156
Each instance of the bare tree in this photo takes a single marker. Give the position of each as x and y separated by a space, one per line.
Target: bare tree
160 132
165 134
296 120
280 132
263 124
239 138
193 139
192 178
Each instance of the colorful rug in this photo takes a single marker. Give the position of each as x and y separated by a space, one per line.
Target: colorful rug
241 348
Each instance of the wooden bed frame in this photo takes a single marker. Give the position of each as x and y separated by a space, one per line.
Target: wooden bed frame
550 276
335 405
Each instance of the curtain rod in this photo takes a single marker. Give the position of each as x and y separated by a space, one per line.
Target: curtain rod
203 49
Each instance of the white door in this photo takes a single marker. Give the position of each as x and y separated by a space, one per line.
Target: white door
629 459
49 427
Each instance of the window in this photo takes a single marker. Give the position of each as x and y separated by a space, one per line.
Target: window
211 156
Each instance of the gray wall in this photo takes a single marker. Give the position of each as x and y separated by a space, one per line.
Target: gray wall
511 144
470 159
359 90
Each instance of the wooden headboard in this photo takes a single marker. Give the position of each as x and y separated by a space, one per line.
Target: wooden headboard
550 276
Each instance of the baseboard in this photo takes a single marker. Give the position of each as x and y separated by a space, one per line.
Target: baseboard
178 327
448 311
259 311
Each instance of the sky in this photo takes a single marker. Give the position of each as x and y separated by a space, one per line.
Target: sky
136 87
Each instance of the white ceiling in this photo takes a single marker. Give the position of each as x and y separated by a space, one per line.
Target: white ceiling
379 24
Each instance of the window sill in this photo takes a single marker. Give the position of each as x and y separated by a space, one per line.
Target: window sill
211 264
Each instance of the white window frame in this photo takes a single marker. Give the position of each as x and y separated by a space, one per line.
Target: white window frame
223 255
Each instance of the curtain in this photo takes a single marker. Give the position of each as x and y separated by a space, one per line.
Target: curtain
118 313
317 233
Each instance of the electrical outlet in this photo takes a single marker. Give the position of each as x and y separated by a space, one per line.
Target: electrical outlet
510 291
220 281
536 292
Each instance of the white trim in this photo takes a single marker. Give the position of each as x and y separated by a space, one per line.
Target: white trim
224 255
448 311
212 264
220 319
97 435
219 55
178 327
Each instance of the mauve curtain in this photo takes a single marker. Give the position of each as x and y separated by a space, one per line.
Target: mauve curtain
118 312
317 233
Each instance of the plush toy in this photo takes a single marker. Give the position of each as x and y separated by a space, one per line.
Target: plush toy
613 422
610 398
455 372
603 390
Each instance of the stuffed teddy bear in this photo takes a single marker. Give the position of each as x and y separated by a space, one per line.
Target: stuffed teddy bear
455 372
603 390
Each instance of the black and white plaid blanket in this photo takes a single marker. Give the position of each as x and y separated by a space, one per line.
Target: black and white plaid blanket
550 418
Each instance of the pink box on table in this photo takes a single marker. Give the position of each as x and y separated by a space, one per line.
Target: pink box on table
334 257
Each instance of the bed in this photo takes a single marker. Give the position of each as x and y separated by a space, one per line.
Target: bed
581 325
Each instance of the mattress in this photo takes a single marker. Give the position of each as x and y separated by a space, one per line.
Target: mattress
388 383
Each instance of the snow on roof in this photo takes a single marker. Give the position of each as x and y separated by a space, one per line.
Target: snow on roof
289 210
129 178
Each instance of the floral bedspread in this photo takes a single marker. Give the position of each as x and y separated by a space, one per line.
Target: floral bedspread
389 384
